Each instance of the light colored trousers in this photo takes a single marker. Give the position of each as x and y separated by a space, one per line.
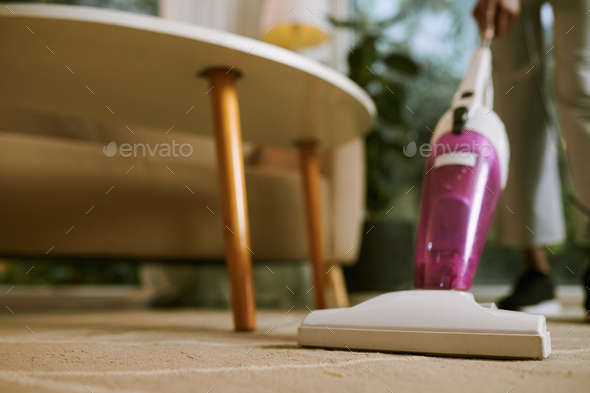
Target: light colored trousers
530 212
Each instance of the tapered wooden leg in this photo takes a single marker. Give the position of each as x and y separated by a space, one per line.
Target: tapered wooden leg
228 139
312 195
336 280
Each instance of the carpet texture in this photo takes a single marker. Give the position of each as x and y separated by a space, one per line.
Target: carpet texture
196 351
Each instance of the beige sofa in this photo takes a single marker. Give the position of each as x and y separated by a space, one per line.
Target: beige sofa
61 196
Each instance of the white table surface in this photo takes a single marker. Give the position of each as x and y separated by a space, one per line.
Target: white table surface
144 69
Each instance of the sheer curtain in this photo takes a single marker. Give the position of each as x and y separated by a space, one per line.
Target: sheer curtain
243 17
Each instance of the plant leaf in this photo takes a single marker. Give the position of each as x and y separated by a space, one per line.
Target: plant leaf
401 63
362 57
350 24
388 107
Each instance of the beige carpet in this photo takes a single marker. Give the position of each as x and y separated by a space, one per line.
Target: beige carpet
196 351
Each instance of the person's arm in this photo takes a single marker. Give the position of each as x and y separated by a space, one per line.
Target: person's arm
496 17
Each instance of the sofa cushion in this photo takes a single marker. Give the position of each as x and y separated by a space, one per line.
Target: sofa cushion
64 195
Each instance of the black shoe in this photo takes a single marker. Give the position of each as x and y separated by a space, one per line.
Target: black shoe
534 292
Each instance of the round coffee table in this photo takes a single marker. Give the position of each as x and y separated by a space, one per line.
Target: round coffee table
141 70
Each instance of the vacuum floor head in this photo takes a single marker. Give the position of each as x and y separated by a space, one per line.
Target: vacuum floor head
429 322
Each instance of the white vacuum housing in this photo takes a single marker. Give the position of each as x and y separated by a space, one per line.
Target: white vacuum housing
431 322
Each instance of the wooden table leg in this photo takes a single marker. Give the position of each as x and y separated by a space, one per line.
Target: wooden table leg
228 139
312 195
338 284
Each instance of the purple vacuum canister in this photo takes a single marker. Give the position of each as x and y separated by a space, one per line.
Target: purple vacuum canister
460 192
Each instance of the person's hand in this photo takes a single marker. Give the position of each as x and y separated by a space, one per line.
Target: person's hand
496 17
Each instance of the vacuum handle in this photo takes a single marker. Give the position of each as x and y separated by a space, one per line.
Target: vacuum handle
488 36
476 91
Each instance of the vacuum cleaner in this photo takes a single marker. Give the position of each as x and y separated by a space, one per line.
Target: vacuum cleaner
465 174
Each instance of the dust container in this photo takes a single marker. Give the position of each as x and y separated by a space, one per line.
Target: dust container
460 191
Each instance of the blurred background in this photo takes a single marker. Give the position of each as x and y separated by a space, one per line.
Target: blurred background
415 49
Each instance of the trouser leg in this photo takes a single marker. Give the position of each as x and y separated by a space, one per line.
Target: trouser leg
572 90
530 212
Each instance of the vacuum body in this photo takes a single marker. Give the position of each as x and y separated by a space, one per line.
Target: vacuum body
460 193
465 174
464 177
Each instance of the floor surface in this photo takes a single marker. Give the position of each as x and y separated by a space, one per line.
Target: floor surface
196 351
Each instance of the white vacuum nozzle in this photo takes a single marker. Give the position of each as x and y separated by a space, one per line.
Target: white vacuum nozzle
429 322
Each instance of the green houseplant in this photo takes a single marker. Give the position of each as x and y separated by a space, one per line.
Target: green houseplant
380 71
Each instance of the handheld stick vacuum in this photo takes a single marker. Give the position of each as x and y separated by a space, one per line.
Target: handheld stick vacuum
464 176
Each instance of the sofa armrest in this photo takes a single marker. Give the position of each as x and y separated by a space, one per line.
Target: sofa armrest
348 200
